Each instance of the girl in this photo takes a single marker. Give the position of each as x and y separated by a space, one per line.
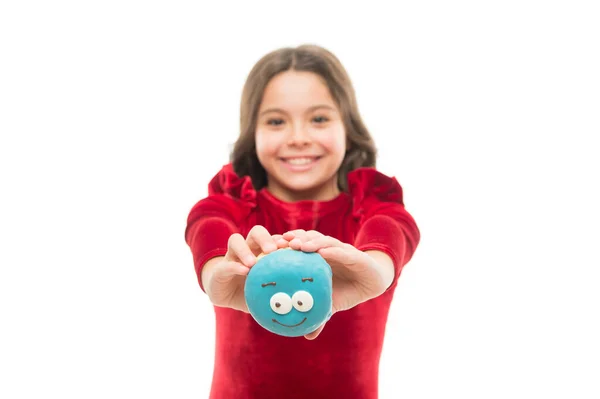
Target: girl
301 176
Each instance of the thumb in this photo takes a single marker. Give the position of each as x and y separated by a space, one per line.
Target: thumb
315 334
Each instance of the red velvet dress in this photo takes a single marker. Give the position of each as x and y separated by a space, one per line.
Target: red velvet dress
343 362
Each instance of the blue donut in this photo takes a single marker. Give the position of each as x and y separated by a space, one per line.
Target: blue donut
288 292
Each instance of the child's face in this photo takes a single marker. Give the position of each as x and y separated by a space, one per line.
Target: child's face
300 137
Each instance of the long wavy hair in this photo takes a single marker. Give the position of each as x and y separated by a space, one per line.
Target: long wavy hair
360 149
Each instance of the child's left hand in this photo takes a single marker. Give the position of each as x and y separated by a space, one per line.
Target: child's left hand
356 276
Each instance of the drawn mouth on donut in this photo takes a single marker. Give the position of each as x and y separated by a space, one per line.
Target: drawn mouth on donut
285 325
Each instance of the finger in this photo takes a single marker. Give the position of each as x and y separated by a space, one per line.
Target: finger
259 241
322 241
290 235
279 241
315 334
303 234
301 238
312 234
296 244
338 254
282 243
238 250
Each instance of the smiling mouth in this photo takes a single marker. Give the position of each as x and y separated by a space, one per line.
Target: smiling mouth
285 325
300 161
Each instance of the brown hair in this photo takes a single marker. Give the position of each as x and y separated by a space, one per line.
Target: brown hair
360 150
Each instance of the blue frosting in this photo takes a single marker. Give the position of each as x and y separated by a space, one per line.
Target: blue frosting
288 292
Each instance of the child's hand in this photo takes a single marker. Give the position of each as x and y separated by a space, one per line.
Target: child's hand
225 286
356 278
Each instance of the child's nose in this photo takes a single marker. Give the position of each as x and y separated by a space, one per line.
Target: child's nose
298 135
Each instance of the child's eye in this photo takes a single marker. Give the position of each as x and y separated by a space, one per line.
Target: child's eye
275 122
320 119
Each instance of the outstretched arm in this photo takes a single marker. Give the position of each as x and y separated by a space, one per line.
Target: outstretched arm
384 266
384 244
389 234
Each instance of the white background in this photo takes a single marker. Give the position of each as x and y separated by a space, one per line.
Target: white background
115 114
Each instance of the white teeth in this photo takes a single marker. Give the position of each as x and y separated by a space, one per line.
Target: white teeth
299 161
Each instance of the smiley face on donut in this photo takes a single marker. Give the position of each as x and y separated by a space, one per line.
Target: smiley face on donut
288 292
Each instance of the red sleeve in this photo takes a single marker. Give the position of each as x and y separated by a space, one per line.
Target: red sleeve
214 219
392 230
209 226
384 223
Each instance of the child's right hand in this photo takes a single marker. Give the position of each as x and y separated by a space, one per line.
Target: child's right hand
227 275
